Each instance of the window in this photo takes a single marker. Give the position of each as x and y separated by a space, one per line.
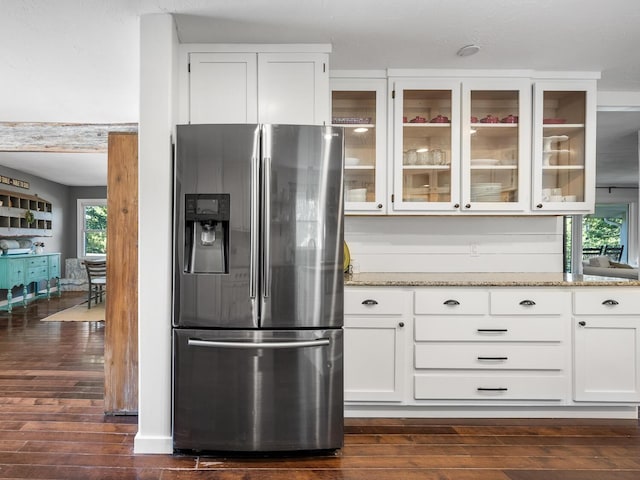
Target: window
92 227
609 225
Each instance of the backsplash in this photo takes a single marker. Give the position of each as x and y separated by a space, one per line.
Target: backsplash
455 244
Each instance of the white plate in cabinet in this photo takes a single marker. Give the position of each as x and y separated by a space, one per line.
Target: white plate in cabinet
490 357
606 302
530 302
489 387
451 302
504 329
369 301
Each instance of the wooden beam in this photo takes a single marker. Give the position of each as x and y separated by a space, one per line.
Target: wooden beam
59 137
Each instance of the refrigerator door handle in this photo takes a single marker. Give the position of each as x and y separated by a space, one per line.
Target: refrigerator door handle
255 228
271 345
266 227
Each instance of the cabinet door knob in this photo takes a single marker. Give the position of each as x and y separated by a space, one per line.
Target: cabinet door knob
539 205
451 302
610 302
467 205
401 324
379 205
457 205
527 303
369 301
582 323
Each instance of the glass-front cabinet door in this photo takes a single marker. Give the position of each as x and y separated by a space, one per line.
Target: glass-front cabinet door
496 145
426 122
359 105
564 146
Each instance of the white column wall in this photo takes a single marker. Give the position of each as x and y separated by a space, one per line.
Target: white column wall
158 87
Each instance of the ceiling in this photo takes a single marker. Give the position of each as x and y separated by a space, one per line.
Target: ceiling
77 61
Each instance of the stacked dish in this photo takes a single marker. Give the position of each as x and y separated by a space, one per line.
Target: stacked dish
357 195
486 192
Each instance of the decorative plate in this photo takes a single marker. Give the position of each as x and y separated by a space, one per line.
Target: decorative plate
347 258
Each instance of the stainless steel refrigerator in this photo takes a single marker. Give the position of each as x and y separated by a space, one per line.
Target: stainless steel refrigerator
258 288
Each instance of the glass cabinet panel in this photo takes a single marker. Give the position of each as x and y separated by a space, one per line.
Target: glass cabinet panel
358 107
426 151
564 159
496 155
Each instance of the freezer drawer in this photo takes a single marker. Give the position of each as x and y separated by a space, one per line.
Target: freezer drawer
258 390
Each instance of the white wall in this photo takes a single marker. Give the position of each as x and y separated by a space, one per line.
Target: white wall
158 91
455 244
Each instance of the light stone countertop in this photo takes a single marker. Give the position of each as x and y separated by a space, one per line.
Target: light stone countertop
471 279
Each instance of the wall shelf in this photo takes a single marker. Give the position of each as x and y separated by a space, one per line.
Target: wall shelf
13 209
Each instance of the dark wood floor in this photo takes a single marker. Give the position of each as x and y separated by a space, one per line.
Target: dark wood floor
52 427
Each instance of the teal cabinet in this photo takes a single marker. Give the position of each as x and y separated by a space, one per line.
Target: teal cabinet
23 270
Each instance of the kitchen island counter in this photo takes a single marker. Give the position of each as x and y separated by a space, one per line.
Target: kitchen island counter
483 279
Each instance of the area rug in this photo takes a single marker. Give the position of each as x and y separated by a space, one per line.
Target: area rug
79 313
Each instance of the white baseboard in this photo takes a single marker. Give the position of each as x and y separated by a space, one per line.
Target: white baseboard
152 444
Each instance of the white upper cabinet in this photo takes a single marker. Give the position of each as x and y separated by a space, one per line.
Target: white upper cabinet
462 145
564 146
288 87
496 144
359 106
426 148
293 88
223 88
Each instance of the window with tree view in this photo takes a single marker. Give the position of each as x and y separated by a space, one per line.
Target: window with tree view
93 240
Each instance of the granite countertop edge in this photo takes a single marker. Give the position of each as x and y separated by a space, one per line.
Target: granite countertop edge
470 279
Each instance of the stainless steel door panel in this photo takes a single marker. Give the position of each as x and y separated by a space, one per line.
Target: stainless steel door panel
303 229
219 159
283 393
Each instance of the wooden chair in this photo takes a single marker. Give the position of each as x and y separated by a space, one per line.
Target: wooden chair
613 252
588 252
97 275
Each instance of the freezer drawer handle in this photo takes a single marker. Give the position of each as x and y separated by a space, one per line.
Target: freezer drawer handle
272 345
493 358
610 302
492 330
369 302
498 389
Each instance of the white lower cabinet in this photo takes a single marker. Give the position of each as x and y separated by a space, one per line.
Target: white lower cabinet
491 345
607 346
487 351
376 329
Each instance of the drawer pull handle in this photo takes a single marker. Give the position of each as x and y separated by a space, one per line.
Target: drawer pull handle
497 389
492 330
582 323
451 302
401 324
610 302
527 303
493 358
369 301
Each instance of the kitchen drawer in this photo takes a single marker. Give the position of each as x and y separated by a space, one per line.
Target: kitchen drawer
375 301
36 262
490 356
489 387
37 273
451 301
524 301
607 302
496 329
